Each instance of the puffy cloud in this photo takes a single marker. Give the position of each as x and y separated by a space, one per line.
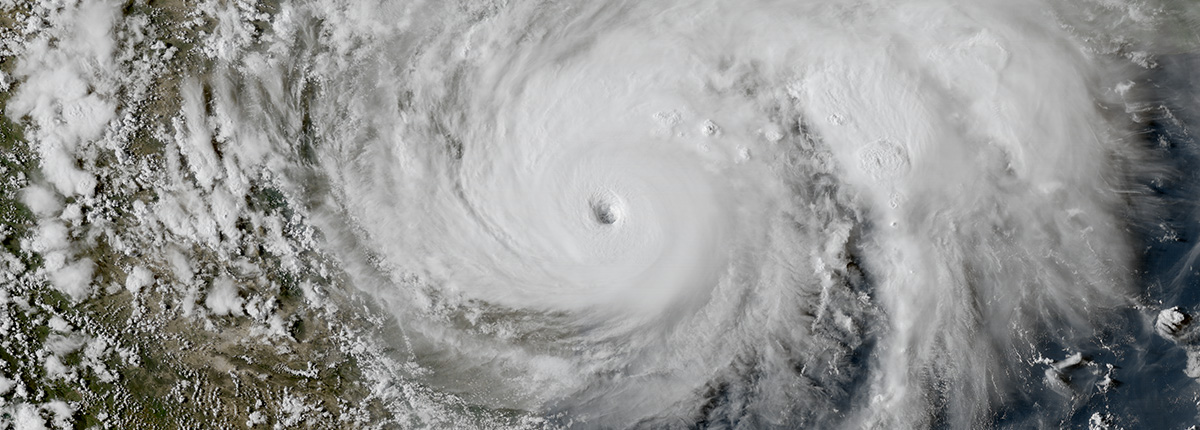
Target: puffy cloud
74 280
41 200
223 298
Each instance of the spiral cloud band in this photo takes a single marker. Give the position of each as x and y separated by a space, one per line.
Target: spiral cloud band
710 213
625 211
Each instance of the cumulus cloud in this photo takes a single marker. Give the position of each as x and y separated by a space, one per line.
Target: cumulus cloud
6 385
28 418
61 412
137 279
41 200
50 236
74 280
57 94
223 298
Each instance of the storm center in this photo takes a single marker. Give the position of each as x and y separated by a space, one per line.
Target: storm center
605 210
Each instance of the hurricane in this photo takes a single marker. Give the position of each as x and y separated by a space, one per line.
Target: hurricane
604 214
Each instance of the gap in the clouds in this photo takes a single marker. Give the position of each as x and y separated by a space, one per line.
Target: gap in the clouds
1170 267
1165 108
1150 389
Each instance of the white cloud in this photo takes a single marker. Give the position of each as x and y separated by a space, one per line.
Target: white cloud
197 145
41 200
62 413
50 236
55 369
6 385
223 298
137 279
27 417
180 266
59 324
56 97
74 280
62 345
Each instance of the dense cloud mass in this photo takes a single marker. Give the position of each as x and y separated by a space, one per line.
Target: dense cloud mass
599 214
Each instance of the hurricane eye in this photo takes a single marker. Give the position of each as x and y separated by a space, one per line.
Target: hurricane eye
604 212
